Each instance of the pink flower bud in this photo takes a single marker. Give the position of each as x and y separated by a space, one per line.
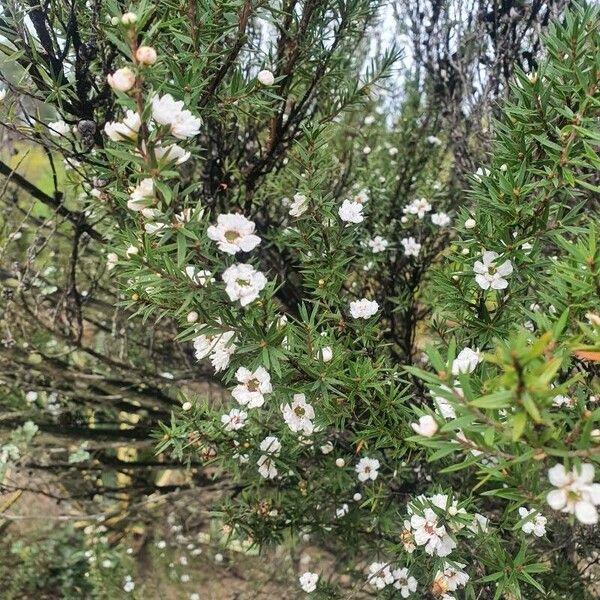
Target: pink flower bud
146 55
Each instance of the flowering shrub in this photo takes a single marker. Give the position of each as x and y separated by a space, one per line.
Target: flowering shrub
454 473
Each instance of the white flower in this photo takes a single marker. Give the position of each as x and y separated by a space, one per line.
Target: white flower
265 77
308 582
127 129
132 251
479 524
342 511
299 206
440 219
560 401
271 445
488 275
111 260
411 246
266 467
167 111
480 173
325 354
58 128
351 212
233 233
576 494
31 396
367 469
172 152
378 244
417 207
152 228
535 525
466 361
252 386
380 575
142 196
404 582
444 408
235 419
393 151
219 347
452 577
199 276
145 55
427 426
428 533
2 94
243 283
434 141
363 309
361 196
299 415
122 80
326 448
220 358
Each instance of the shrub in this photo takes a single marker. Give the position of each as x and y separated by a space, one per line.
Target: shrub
312 285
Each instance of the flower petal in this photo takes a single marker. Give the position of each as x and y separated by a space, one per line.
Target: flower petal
586 513
557 475
557 499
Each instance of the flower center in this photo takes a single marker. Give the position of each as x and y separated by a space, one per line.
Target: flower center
429 528
253 385
300 412
231 235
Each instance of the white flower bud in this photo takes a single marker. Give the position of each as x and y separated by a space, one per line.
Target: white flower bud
470 223
357 497
404 220
192 316
266 77
146 55
186 405
427 426
132 250
122 80
340 462
326 354
129 18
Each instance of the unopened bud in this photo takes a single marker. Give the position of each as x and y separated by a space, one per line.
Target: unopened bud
129 18
146 55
